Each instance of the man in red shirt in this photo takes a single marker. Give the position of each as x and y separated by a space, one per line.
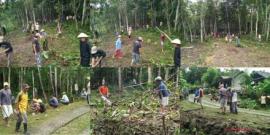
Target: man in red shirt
104 92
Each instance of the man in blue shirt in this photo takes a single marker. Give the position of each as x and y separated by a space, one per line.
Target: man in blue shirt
5 103
196 95
163 94
118 48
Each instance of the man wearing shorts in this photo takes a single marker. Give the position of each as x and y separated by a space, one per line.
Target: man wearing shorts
163 94
21 108
136 51
223 98
5 103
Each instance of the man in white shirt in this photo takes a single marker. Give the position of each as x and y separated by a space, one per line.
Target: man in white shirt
64 100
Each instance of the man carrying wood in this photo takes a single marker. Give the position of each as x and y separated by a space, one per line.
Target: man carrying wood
163 93
21 108
8 50
5 103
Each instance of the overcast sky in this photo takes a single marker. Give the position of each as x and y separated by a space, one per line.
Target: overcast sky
248 70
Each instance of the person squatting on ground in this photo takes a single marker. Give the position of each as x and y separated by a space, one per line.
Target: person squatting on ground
136 51
163 93
104 93
97 56
85 49
53 102
21 108
38 106
118 54
6 103
37 49
8 50
64 100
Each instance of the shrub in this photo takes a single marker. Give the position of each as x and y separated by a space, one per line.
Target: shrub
248 103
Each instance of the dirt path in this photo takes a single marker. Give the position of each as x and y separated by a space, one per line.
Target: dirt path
22 53
53 124
213 104
220 54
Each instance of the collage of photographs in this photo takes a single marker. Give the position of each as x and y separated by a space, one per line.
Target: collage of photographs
134 67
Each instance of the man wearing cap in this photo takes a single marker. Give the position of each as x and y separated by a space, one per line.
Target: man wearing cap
8 50
136 51
21 108
97 56
84 50
36 49
5 103
177 52
163 94
43 36
118 48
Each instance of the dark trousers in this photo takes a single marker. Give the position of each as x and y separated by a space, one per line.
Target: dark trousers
234 107
85 62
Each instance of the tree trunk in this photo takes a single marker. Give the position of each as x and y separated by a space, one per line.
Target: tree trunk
251 21
268 28
51 80
177 78
120 79
201 30
83 13
33 83
239 18
42 87
257 21
177 15
168 15
55 81
149 77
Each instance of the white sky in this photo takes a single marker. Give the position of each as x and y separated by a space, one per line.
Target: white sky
248 69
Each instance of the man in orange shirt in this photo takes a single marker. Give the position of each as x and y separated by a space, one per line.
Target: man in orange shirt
104 92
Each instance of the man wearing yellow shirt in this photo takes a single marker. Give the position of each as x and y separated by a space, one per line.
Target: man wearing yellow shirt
21 108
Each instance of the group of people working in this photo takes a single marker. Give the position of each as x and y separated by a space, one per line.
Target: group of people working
21 105
90 53
161 90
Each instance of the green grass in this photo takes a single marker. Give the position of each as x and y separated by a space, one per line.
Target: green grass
75 127
36 120
246 119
